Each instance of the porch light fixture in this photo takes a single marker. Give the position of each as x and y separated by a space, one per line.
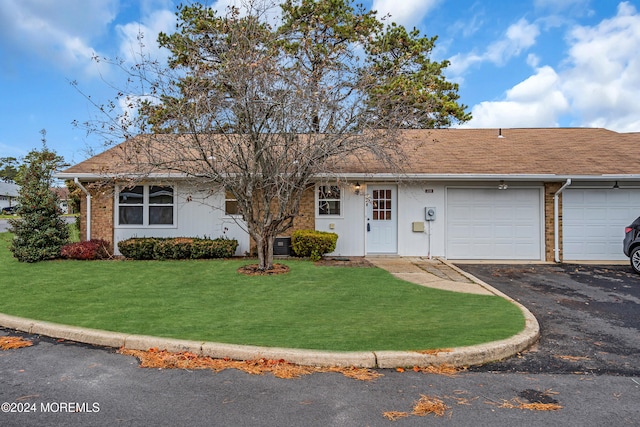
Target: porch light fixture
357 188
502 186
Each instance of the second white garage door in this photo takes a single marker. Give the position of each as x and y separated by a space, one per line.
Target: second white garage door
486 223
594 220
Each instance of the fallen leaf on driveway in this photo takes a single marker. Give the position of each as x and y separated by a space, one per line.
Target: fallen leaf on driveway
394 415
8 343
162 359
572 358
429 405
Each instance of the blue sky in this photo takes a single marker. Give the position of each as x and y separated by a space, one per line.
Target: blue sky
526 63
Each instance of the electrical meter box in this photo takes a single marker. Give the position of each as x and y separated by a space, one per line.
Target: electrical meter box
430 214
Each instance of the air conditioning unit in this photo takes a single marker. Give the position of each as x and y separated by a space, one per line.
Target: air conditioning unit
282 246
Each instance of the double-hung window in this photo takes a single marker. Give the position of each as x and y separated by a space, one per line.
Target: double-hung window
329 200
146 205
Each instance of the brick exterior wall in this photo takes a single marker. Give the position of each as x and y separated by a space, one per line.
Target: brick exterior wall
306 219
550 188
101 213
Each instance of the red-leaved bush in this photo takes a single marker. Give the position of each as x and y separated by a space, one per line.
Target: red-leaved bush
89 250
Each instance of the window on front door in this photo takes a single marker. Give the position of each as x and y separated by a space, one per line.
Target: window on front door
381 205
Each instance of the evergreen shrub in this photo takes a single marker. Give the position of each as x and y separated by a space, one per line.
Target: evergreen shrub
313 244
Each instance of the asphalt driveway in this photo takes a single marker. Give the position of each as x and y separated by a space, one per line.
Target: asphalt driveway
589 316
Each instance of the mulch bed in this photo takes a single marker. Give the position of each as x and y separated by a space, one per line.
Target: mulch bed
254 270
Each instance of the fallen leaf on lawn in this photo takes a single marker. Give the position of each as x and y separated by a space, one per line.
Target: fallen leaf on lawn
8 343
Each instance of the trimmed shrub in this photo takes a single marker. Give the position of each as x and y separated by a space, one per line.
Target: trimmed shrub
137 248
88 250
313 244
145 248
217 248
179 248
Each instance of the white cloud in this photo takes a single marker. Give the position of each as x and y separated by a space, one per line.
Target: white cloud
533 60
57 32
602 78
579 7
404 12
151 26
535 102
597 86
518 38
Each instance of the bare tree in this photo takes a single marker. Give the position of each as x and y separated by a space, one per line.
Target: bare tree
264 110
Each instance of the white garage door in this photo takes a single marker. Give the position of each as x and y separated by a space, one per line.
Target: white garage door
593 222
494 224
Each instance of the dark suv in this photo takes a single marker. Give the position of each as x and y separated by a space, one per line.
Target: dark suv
631 244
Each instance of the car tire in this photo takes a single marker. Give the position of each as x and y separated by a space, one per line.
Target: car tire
634 259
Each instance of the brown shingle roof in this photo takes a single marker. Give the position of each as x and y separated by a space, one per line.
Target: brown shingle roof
545 151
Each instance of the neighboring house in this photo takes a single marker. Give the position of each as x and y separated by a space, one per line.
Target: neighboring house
482 194
8 194
63 198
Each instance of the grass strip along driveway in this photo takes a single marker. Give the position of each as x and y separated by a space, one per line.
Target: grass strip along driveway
311 307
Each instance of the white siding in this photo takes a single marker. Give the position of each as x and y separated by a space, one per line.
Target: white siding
411 201
349 225
199 214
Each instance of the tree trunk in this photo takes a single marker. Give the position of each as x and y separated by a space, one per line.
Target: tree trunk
265 252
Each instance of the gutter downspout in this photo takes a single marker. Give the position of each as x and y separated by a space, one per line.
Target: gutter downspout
88 207
556 220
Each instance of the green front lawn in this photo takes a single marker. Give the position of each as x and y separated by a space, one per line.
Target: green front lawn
312 307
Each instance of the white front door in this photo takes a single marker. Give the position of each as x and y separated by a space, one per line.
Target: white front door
381 221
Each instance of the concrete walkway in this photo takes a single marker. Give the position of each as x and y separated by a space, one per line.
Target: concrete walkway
432 273
426 272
